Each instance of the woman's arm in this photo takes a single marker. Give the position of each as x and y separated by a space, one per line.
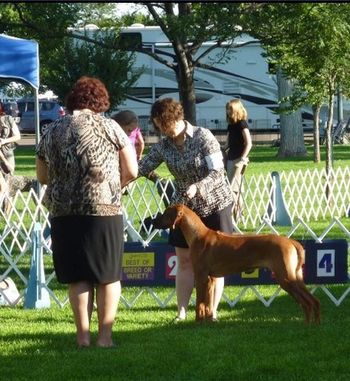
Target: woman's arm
41 171
139 145
212 154
128 165
247 143
15 134
151 161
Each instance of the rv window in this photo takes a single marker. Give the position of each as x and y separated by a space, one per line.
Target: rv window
130 40
271 68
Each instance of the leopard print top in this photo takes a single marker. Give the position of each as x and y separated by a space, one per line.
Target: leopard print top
81 151
7 127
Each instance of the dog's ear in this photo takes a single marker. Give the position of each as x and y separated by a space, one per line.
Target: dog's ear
178 217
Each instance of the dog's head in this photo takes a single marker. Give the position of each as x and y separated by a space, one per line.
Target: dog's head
170 218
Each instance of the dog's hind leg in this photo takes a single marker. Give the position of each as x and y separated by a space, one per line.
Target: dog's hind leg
313 300
301 298
293 289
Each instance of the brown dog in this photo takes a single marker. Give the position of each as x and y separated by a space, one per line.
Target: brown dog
216 254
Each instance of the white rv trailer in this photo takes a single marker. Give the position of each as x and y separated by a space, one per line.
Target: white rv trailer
245 76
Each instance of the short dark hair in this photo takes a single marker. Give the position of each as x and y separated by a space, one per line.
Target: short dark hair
167 111
125 117
90 93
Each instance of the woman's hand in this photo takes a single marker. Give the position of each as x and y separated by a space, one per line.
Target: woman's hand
245 160
191 191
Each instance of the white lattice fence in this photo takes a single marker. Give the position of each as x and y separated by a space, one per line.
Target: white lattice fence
311 195
316 195
303 193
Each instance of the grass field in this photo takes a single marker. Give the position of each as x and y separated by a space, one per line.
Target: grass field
262 160
250 343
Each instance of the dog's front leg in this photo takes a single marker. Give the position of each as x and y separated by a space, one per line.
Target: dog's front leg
202 284
209 302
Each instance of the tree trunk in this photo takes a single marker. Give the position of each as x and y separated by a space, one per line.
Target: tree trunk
329 141
316 132
187 89
329 149
291 130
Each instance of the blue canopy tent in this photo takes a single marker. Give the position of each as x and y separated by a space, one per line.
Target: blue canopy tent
19 60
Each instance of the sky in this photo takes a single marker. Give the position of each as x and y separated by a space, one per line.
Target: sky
126 7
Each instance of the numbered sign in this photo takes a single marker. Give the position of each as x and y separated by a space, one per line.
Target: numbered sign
326 263
171 266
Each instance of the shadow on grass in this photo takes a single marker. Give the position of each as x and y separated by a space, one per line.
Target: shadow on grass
251 342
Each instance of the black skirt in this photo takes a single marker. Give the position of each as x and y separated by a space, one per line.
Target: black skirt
87 248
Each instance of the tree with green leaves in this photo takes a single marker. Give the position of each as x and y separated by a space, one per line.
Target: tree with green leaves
188 26
62 59
311 43
113 67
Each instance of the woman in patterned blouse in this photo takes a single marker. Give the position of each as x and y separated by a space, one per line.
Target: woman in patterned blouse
193 156
9 135
86 159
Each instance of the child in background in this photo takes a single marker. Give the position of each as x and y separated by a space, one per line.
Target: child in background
129 122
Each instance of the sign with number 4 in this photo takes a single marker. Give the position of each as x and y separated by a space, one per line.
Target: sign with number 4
325 263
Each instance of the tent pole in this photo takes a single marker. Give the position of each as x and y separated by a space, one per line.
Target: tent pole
37 130
36 115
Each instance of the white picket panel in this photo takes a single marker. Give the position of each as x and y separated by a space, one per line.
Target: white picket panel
304 193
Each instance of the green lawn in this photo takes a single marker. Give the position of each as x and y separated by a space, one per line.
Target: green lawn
250 343
262 160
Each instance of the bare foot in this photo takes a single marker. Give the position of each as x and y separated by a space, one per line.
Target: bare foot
105 343
83 340
82 346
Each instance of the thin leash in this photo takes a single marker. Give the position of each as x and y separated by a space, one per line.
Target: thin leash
237 210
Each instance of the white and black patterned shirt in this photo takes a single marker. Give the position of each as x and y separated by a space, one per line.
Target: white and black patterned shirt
199 162
82 154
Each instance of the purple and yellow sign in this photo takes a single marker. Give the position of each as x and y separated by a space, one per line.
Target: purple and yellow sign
138 266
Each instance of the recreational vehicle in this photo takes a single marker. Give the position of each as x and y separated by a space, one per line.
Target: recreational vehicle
243 74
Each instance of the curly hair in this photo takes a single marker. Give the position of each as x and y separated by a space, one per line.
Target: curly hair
167 111
235 111
88 93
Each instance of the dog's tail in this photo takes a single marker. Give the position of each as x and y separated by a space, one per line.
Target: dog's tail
301 258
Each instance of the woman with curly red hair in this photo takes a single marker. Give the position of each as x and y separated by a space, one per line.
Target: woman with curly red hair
86 159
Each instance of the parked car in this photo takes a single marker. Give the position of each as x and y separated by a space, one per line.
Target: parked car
11 108
49 110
